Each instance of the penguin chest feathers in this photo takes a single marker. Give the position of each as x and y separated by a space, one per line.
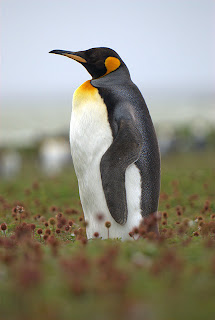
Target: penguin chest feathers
90 132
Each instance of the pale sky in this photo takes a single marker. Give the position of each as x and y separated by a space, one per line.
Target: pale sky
166 44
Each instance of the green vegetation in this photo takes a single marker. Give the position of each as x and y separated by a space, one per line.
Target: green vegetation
58 274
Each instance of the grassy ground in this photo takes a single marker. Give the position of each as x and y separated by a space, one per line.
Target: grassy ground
61 275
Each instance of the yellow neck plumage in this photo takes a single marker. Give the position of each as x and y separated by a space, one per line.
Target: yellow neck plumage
86 89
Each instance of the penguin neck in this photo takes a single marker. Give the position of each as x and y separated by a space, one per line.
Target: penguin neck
119 76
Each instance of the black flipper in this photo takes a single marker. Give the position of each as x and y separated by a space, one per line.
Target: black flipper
124 150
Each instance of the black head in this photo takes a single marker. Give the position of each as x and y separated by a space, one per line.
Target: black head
97 61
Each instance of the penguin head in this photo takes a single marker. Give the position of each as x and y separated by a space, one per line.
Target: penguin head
98 61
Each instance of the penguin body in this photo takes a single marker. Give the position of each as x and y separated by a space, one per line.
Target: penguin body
90 138
114 147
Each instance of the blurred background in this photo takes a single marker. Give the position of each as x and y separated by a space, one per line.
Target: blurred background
167 45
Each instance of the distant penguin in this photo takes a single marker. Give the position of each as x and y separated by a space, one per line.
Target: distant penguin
54 155
10 164
114 147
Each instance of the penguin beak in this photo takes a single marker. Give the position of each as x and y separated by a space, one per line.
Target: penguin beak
72 55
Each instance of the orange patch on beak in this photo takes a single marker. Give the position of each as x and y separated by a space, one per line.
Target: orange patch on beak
74 57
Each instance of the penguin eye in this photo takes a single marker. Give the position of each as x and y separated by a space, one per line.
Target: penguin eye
100 65
93 59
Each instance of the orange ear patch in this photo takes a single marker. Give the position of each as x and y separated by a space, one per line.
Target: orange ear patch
111 64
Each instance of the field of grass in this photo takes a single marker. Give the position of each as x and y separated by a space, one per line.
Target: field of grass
48 269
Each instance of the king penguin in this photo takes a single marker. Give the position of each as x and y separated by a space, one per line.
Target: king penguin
114 147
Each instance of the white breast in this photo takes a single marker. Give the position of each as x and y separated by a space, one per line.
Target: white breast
90 137
90 133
